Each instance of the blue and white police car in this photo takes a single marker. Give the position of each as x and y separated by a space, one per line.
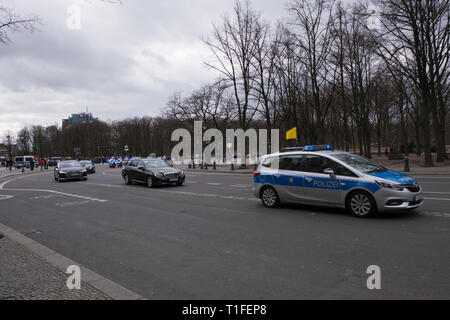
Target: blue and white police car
318 175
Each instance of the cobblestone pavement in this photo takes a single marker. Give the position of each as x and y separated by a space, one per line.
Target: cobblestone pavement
26 276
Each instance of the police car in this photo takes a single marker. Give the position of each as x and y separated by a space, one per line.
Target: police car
318 175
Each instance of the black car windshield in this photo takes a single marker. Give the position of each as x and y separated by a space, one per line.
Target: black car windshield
361 164
69 164
155 163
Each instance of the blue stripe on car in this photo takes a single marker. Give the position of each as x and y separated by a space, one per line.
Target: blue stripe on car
394 176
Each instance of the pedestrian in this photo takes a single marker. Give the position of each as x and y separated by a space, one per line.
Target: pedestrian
10 164
386 151
32 164
41 163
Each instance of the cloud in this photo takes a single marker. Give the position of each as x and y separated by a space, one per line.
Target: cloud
125 61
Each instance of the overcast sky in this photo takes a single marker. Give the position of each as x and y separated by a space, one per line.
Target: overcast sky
125 61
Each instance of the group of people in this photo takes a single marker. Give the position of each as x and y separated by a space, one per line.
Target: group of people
43 163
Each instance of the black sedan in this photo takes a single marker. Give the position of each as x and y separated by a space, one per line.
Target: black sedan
152 172
69 170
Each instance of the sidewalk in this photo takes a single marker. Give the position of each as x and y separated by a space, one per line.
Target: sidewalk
26 276
31 271
6 173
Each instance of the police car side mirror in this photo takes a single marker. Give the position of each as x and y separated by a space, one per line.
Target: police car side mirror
330 172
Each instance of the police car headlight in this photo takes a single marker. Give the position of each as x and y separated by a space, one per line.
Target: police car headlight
389 185
159 175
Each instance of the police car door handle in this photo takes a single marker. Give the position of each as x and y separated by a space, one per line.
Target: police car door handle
309 179
277 175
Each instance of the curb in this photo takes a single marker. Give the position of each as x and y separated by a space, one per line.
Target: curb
108 287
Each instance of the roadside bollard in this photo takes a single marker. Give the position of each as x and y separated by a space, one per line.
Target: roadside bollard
406 165
206 166
23 168
255 167
193 165
189 166
232 166
201 165
214 166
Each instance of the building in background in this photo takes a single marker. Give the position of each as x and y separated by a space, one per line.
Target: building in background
78 118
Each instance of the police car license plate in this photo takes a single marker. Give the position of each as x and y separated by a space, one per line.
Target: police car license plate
173 180
417 198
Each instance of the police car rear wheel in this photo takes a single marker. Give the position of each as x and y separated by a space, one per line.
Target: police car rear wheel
270 197
361 204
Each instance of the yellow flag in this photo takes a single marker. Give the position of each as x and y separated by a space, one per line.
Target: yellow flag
291 134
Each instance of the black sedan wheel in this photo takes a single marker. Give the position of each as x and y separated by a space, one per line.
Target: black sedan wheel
150 182
126 179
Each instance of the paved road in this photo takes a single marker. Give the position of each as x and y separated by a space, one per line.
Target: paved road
210 239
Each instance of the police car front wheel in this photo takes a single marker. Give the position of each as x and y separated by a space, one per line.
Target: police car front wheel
270 197
361 204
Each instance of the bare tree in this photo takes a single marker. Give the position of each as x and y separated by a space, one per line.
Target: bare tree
415 38
234 45
12 22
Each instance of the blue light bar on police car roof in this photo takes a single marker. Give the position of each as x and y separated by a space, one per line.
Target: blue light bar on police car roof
318 148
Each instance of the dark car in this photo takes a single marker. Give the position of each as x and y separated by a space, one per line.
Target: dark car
53 162
152 171
88 165
69 170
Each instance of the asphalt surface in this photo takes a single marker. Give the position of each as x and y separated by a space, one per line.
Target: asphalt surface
211 239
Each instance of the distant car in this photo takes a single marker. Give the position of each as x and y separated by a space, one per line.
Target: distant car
69 170
53 161
152 171
89 165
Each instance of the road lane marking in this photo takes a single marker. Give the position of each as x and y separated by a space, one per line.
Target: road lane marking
112 175
4 197
437 192
50 191
60 193
214 183
208 195
436 214
438 199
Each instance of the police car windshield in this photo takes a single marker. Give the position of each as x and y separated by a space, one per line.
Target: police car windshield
155 163
360 163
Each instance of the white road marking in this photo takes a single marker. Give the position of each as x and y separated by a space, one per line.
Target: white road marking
214 183
112 175
4 197
438 199
209 195
241 186
437 214
60 193
50 191
437 192
433 177
71 204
